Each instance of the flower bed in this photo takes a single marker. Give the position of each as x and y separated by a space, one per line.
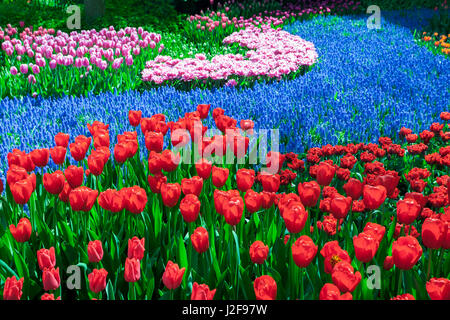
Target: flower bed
351 95
273 54
169 228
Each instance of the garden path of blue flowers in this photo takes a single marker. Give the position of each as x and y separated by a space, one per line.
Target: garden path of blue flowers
367 83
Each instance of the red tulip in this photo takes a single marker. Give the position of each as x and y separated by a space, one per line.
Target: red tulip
344 277
172 275
203 167
405 296
309 193
22 232
202 292
190 207
46 258
247 125
333 254
245 179
366 246
170 193
373 197
94 129
438 288
14 174
353 188
78 151
96 162
95 251
54 182
169 161
283 201
258 252
200 240
233 209
220 197
388 263
325 173
407 211
270 182
193 185
274 161
218 112
58 154
13 288
420 198
267 199
51 279
179 136
74 176
97 280
406 251
134 117
40 157
340 206
154 141
303 251
265 288
22 159
203 110
377 231
49 297
239 145
123 151
22 190
434 232
62 139
155 182
330 292
155 165
111 200
32 179
388 181
219 176
253 201
134 199
82 198
101 140
132 271
295 217
64 195
136 248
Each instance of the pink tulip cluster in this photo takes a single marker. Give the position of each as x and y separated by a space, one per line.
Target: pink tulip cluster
272 53
220 19
276 17
84 49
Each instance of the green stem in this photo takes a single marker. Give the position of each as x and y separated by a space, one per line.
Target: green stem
400 281
430 258
302 290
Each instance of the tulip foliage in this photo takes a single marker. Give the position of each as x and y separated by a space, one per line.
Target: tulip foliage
355 221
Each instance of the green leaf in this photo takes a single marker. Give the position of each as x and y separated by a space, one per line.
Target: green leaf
110 291
4 265
182 253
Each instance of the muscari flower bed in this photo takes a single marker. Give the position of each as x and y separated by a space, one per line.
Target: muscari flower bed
362 180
